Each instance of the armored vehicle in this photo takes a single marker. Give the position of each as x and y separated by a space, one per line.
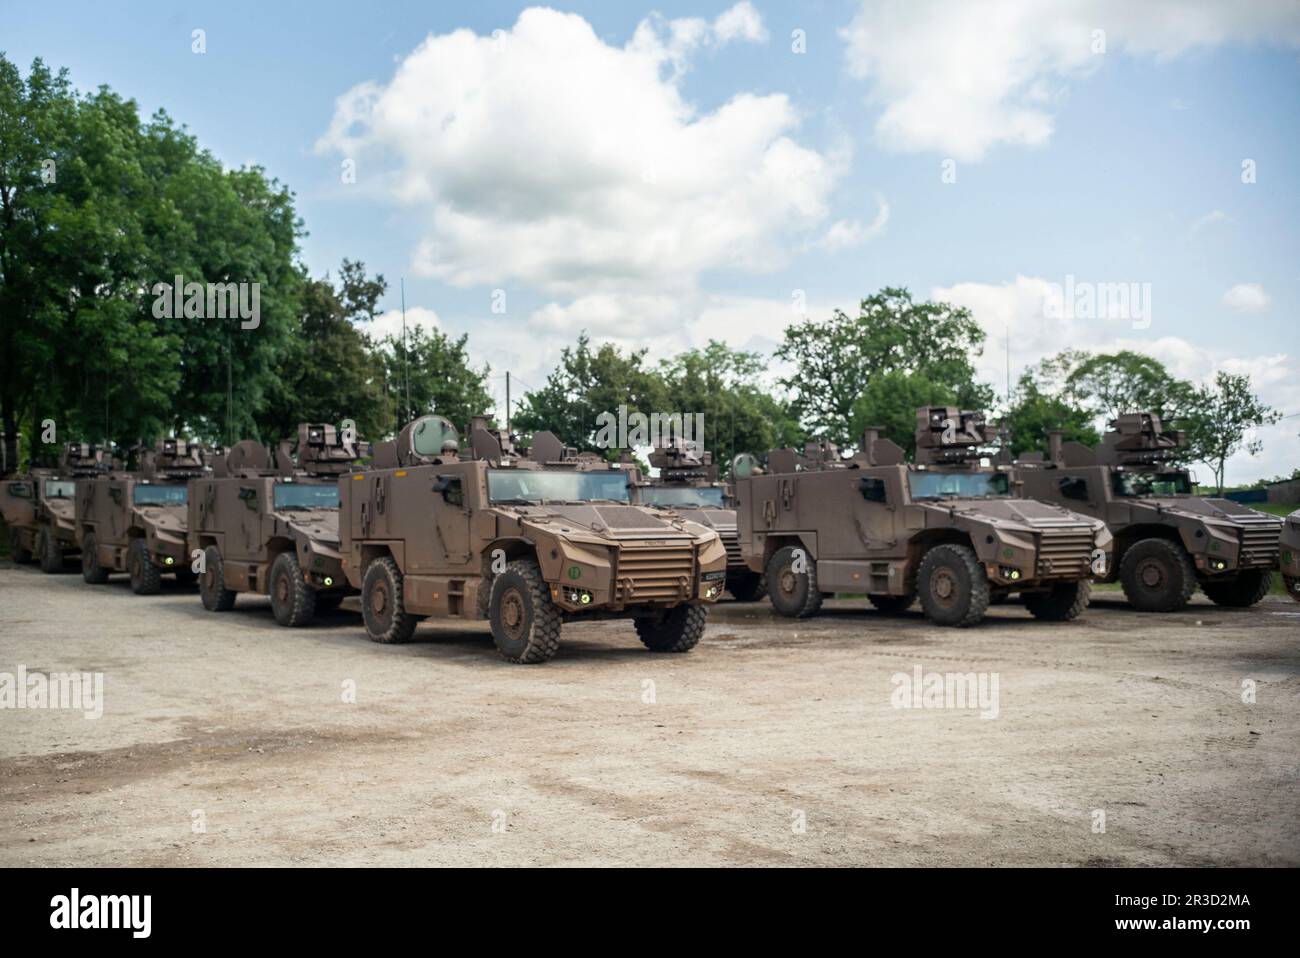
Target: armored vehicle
688 485
1167 539
525 539
39 508
134 522
948 528
273 528
1289 559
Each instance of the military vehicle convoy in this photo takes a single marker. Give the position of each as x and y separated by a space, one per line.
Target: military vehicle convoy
524 539
1289 555
1167 539
134 522
948 529
273 527
39 508
688 485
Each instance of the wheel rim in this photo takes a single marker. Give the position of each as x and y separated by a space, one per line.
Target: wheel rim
943 586
282 588
379 600
513 614
1151 574
788 582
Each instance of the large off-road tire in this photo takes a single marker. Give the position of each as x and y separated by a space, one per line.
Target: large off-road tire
525 622
50 552
146 578
793 594
1242 592
1292 585
293 601
953 586
677 630
892 604
383 604
212 583
17 551
1063 602
1157 576
746 586
91 570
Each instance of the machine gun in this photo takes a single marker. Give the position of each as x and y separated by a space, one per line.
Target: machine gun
322 451
172 460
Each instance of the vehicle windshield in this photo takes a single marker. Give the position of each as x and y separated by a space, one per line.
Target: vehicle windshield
533 485
1130 484
294 495
708 496
151 495
59 489
958 485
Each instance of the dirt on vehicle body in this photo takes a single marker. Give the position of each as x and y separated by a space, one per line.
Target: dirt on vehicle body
1289 555
39 508
688 484
948 529
525 539
1168 540
134 522
273 527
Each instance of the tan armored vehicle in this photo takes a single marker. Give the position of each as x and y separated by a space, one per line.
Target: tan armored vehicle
134 522
39 508
525 540
688 485
1167 539
1289 558
273 528
948 529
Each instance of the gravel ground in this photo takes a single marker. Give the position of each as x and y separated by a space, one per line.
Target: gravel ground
226 740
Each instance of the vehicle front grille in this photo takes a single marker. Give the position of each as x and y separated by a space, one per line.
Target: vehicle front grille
1259 543
658 572
1065 553
731 542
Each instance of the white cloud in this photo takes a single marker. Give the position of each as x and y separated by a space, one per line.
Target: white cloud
1247 298
546 156
959 78
741 22
1209 219
1017 311
390 323
843 234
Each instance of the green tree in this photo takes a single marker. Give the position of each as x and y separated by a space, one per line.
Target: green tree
1109 384
1225 411
331 370
98 209
442 380
724 385
837 359
586 383
1038 408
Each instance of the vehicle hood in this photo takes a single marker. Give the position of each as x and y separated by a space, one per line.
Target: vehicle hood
62 511
720 520
1220 511
321 525
1031 514
612 521
164 520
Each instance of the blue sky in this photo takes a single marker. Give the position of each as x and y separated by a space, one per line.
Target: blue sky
1115 166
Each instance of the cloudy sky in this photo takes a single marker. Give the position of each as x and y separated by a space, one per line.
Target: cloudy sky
667 173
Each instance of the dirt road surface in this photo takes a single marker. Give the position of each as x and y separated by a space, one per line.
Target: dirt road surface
1120 739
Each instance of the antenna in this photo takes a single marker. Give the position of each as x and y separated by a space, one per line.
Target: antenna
406 367
507 402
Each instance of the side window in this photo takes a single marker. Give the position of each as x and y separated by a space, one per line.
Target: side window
872 489
21 490
454 493
1074 487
